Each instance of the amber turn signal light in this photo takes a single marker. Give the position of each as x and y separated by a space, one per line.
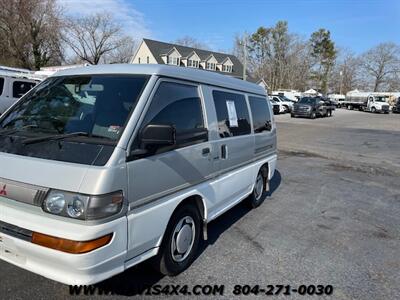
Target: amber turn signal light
69 246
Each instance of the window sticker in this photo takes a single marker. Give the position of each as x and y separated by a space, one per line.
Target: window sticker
233 120
114 129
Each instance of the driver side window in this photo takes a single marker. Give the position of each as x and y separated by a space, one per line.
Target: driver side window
178 105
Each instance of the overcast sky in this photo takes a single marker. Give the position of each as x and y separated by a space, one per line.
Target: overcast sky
354 24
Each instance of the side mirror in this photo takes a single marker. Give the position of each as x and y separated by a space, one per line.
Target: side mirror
156 134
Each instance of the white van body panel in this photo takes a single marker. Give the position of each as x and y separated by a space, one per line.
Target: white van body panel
137 235
7 98
155 217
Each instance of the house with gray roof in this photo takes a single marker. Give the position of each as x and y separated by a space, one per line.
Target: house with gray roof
155 52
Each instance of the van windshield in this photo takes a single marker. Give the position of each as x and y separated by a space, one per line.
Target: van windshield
96 105
380 99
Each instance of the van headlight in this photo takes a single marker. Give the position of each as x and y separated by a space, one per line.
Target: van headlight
83 207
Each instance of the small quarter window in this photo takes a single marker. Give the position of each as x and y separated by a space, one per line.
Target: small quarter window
232 113
20 88
260 113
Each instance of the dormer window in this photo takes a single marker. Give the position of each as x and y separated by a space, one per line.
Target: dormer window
172 57
211 66
226 68
172 60
193 63
226 65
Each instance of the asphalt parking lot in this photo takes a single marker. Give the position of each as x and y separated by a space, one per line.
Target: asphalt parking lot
332 218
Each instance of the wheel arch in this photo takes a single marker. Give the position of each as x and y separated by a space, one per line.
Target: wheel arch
199 202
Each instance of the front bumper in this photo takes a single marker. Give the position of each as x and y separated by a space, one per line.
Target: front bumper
301 113
72 269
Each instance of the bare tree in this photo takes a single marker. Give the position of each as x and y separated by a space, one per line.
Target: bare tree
94 38
346 73
381 63
189 41
124 53
30 32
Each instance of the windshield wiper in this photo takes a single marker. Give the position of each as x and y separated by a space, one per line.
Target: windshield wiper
61 137
14 130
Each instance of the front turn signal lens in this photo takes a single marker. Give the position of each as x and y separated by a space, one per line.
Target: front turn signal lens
69 246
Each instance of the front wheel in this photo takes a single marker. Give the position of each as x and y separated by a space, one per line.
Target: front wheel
313 115
259 193
180 242
373 109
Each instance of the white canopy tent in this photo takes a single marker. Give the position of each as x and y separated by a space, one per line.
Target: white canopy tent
312 92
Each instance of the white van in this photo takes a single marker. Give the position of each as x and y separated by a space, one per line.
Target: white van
13 85
104 167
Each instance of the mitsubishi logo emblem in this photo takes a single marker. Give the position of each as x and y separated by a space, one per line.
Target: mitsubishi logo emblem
3 191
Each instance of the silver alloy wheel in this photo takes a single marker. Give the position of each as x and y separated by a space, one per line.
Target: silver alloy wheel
259 186
183 239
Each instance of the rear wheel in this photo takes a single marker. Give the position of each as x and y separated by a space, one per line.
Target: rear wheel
259 193
180 242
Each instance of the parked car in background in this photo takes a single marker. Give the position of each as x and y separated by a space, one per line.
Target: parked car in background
108 166
13 85
311 107
336 99
286 106
286 101
330 106
292 95
396 107
276 107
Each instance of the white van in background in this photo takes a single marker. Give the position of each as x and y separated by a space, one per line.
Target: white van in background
292 95
13 85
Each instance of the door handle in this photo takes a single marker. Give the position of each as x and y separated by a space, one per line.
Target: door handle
224 152
205 151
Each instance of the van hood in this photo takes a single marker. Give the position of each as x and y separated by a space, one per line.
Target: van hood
53 164
40 172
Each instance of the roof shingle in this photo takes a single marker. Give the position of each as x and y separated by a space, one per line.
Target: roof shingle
158 48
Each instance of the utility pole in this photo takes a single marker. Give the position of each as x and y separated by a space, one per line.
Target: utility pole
340 86
244 44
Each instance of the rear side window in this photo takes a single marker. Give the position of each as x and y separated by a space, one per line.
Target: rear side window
232 113
1 85
260 113
178 105
20 88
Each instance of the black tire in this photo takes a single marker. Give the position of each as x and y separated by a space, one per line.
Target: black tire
292 116
313 115
373 110
165 261
257 197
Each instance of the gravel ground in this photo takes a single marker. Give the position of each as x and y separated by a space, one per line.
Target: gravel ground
332 218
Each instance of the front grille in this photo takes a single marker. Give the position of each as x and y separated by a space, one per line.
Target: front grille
15 231
301 109
22 192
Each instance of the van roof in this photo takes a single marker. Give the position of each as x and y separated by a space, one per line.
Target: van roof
201 76
6 73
